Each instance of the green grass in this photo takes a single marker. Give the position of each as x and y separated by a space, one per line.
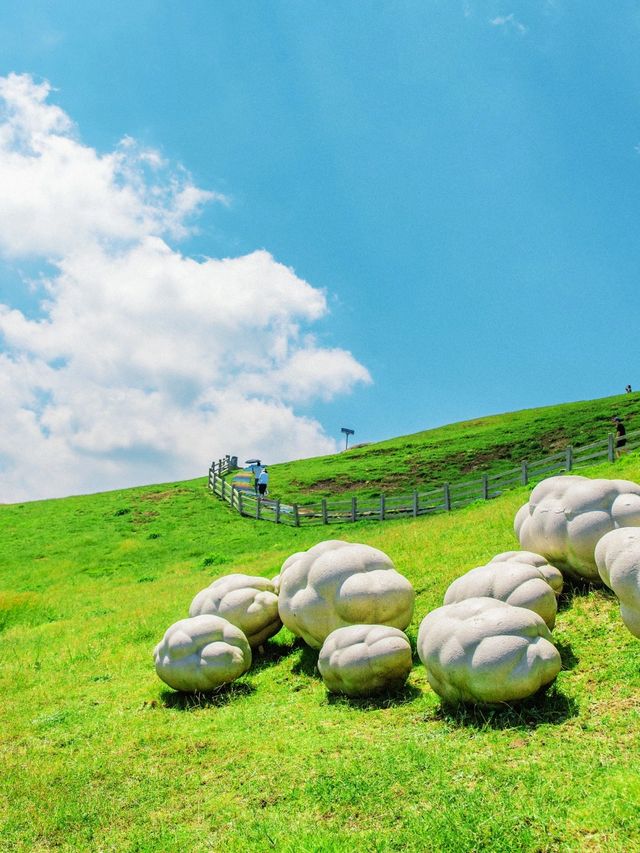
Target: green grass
453 453
96 754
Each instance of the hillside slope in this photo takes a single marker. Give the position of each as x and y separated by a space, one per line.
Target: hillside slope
452 453
97 754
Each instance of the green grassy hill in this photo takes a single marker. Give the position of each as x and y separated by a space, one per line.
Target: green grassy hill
96 754
453 453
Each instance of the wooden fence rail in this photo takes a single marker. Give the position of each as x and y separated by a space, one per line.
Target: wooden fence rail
446 497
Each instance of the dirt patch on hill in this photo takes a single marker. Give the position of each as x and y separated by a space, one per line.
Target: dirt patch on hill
424 472
161 496
338 486
553 442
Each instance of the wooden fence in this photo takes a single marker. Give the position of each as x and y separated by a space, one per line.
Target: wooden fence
444 498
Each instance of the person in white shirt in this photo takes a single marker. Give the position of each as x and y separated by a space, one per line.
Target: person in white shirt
263 482
257 470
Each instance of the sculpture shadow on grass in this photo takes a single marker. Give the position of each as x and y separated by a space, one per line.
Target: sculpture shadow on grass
271 654
307 662
224 695
389 699
569 660
573 589
549 707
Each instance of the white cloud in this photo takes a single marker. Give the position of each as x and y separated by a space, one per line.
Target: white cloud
310 373
143 363
509 22
57 195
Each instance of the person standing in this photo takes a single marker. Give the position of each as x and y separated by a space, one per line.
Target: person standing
263 482
621 437
257 470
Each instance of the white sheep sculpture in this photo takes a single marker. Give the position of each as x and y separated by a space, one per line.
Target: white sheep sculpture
618 560
337 583
484 651
362 660
566 516
201 653
250 603
513 578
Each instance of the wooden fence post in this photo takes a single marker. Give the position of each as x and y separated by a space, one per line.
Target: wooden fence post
296 516
240 502
278 511
382 507
525 474
222 493
447 497
415 504
611 454
354 509
569 459
485 487
325 517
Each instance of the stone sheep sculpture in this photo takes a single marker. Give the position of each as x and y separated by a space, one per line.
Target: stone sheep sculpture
514 580
250 603
618 559
362 660
485 651
201 653
566 516
335 584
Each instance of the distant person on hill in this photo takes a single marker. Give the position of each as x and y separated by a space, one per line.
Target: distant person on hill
621 436
257 470
263 482
628 389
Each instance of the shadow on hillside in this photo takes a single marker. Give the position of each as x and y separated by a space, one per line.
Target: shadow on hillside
550 708
214 699
390 699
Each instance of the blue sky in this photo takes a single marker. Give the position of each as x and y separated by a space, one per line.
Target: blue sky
460 179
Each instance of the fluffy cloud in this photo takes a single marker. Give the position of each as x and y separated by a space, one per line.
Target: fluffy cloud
142 362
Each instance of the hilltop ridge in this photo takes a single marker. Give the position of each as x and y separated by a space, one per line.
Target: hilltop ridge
453 452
